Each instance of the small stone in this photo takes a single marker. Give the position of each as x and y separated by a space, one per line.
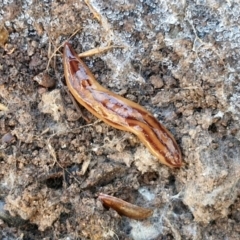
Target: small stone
44 80
169 81
8 138
156 81
3 35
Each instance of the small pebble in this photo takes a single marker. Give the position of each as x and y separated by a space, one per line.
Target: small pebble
44 80
7 138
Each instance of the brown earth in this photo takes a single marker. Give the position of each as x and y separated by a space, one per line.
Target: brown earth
179 60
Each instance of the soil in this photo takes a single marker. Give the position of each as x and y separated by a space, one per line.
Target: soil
178 59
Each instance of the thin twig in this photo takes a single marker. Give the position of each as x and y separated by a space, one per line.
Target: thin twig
97 50
57 49
76 106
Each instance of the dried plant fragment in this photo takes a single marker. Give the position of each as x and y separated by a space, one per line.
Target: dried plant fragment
124 208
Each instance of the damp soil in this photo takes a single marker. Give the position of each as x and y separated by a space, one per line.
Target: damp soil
179 60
